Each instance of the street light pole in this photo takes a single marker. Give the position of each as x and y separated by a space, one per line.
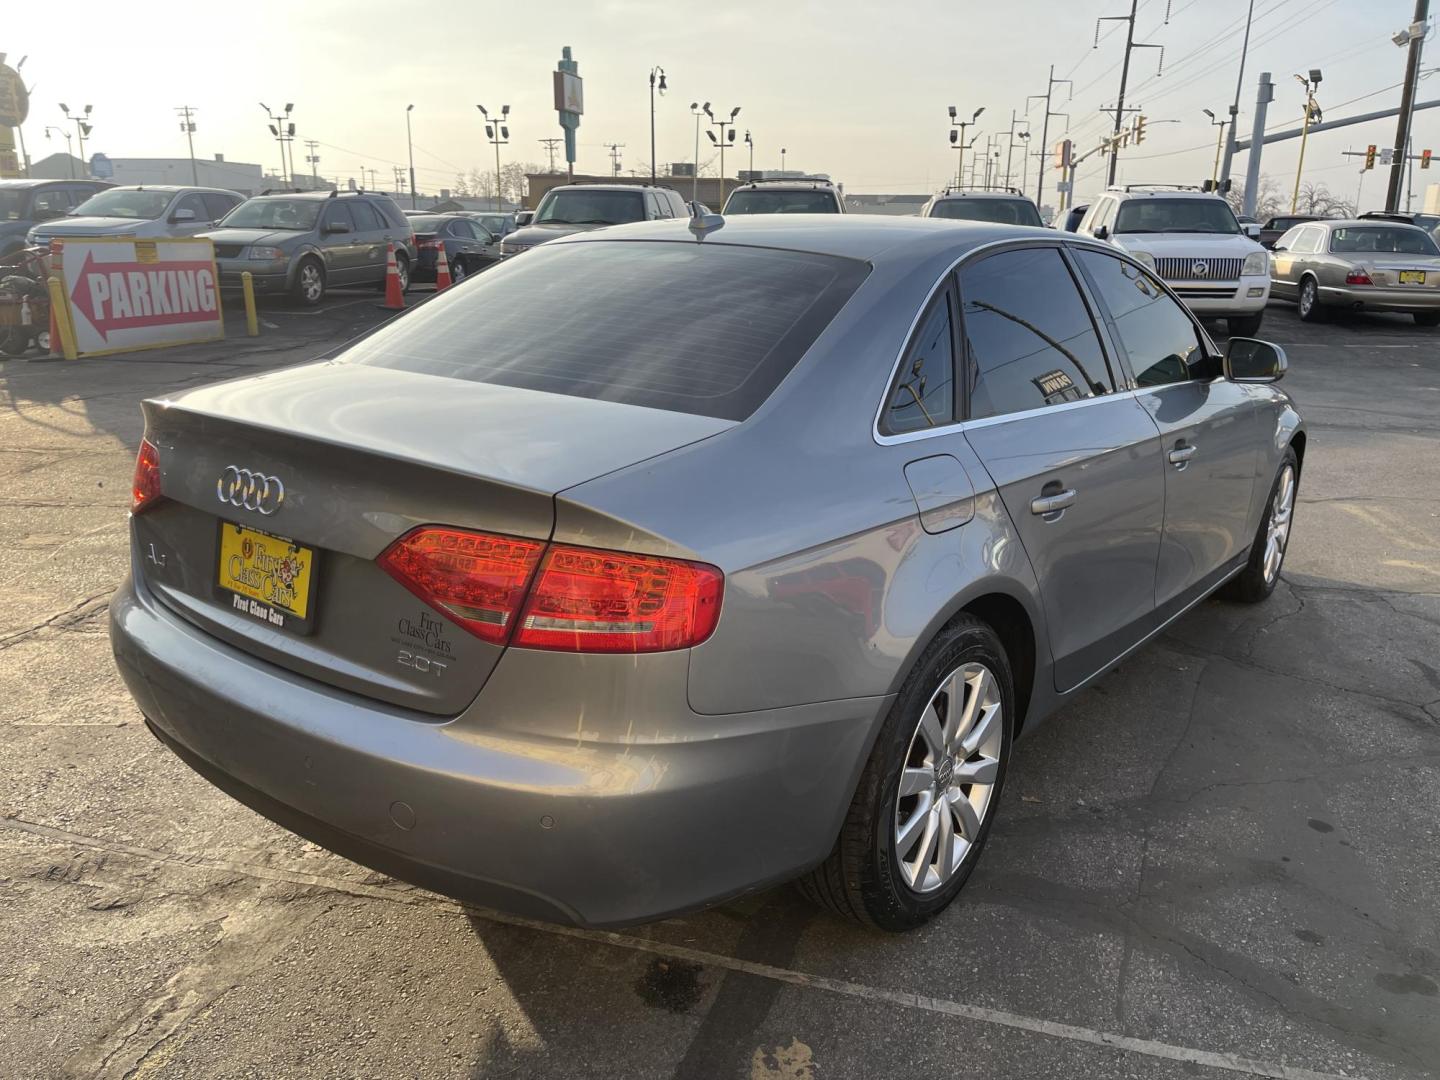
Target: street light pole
1312 110
697 112
722 140
82 125
656 70
1221 124
1010 149
498 133
410 145
782 159
284 131
1414 36
960 144
751 143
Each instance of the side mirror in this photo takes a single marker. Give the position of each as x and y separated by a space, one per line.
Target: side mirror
1249 360
337 227
1277 247
523 218
183 215
1252 230
1101 233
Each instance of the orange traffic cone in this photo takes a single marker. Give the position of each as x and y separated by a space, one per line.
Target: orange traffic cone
394 298
442 271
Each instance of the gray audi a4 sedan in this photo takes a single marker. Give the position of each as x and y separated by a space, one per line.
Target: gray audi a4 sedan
673 561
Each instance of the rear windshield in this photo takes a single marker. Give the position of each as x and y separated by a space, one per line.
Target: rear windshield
423 224
781 202
576 206
1390 240
691 327
1000 211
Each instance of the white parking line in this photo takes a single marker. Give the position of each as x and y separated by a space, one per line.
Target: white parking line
903 999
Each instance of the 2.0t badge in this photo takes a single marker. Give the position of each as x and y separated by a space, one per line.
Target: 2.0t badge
250 490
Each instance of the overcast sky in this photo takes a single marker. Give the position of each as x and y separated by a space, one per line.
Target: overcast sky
856 90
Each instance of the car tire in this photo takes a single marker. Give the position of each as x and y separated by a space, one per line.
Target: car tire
1426 318
1310 307
1262 569
1244 326
458 272
402 269
309 287
886 869
14 341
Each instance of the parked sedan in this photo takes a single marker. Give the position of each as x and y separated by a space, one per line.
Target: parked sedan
1367 264
148 212
1277 227
468 248
624 580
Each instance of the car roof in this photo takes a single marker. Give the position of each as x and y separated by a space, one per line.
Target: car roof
788 184
1161 192
14 184
1010 195
872 238
1364 223
602 187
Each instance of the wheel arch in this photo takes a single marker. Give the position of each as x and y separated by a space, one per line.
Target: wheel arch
1012 624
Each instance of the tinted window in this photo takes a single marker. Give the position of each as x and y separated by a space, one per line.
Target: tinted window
1030 338
388 210
216 205
195 204
1157 335
1000 211
1390 239
1147 215
707 329
366 217
924 392
781 202
579 206
677 204
51 203
336 214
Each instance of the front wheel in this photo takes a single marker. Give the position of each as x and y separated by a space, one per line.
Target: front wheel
1245 325
1311 310
309 287
1267 552
927 796
458 271
1427 318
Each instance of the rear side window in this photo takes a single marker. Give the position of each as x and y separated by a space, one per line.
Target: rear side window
217 205
708 329
389 211
1029 335
924 392
336 214
1155 332
366 217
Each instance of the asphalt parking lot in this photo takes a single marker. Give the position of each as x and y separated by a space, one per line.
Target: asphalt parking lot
1222 859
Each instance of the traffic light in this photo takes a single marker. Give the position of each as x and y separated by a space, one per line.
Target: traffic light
1370 156
1139 129
1424 159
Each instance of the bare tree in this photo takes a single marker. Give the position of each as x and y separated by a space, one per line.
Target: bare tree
1319 201
1268 200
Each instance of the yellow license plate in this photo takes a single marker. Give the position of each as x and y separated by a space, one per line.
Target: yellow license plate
272 578
1412 277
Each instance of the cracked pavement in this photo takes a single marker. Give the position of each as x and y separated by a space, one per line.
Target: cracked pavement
1219 860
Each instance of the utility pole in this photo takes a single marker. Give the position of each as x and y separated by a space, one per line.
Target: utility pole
1130 45
615 148
1045 128
1010 146
1263 96
1235 106
187 125
313 160
656 70
550 145
1414 35
1312 112
1219 138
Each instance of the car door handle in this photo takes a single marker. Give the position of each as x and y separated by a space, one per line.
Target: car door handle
1181 455
1053 504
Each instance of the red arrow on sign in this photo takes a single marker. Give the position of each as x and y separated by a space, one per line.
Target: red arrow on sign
127 295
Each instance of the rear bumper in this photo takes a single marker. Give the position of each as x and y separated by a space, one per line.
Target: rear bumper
1371 298
569 830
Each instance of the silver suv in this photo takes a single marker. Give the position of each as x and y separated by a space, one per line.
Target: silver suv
787 195
304 242
582 207
143 211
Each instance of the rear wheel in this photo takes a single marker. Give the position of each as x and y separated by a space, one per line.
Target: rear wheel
309 287
927 796
1427 318
14 341
1267 552
402 270
1245 325
1311 310
458 271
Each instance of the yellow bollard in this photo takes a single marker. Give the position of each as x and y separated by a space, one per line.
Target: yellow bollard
247 283
62 319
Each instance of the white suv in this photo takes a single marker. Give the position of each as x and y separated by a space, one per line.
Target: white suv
1193 241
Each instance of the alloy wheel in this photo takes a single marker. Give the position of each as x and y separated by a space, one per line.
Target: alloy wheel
1307 297
402 271
948 780
1282 508
310 282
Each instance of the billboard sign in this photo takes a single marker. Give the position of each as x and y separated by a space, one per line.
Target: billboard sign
141 294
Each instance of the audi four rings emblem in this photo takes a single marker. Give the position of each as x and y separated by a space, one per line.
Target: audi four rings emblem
1200 269
250 490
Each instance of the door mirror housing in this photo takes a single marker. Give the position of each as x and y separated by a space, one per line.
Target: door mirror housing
337 227
1278 247
523 218
1249 360
1101 233
1252 230
183 215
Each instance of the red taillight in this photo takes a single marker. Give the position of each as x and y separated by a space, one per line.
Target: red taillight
585 600
145 488
582 599
1358 277
477 579
425 243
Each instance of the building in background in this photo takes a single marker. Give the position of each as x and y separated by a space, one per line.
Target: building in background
239 176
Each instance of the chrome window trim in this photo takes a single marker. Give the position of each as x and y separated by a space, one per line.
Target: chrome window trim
960 425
